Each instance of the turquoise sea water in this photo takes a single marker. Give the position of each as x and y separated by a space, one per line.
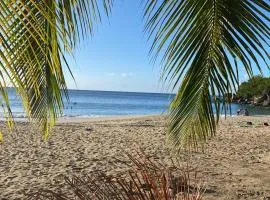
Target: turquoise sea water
85 103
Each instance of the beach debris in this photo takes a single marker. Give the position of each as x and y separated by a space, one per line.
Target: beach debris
249 123
1 137
89 129
265 124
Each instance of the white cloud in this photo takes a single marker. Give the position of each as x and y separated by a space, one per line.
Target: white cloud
129 74
111 74
121 74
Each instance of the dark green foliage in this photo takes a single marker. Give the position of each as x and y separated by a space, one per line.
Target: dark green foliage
254 87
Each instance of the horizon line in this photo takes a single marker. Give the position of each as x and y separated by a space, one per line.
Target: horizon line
115 91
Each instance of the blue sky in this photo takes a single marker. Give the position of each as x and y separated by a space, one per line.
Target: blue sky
116 57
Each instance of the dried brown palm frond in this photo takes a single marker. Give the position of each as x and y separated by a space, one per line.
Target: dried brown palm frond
146 180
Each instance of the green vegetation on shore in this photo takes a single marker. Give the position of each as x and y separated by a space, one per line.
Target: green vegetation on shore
254 87
256 90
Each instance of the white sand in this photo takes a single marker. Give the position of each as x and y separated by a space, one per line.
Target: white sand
235 164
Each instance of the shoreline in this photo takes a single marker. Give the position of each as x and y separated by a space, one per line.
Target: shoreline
105 118
134 117
89 119
79 119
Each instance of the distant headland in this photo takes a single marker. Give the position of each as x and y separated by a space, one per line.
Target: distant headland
255 91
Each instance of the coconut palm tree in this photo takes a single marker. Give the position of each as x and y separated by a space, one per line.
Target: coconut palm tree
202 45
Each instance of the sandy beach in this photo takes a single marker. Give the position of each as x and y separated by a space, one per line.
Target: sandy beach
235 164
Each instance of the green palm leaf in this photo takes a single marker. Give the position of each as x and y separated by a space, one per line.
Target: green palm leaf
204 43
35 37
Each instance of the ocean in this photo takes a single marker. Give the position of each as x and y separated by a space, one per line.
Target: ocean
88 103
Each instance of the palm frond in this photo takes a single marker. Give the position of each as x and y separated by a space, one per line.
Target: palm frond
205 44
35 37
